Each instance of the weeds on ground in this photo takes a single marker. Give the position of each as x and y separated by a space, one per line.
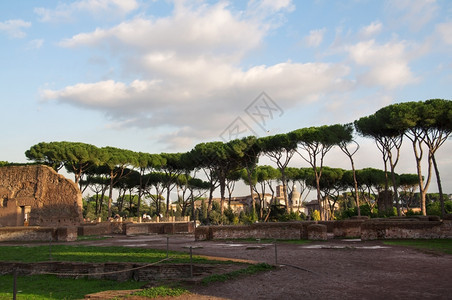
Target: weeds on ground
438 245
234 274
161 291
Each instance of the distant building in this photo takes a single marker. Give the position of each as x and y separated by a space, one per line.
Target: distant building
244 203
314 205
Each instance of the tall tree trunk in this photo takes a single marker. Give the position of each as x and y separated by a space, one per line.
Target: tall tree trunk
423 187
355 182
168 191
222 190
319 198
101 202
284 183
209 205
440 188
253 201
96 209
193 215
110 195
395 188
140 192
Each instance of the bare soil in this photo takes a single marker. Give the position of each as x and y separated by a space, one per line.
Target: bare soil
333 269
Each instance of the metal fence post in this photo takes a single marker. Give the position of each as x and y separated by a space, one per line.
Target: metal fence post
15 284
276 254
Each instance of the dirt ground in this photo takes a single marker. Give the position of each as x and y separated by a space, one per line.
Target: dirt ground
333 269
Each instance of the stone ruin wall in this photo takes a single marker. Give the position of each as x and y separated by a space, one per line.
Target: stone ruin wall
366 229
44 196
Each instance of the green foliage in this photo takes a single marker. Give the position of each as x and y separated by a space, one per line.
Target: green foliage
316 215
247 219
291 216
231 218
365 211
89 208
161 291
46 287
440 245
387 214
276 211
435 208
203 214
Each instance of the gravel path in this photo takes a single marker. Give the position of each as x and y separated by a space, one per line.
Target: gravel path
335 269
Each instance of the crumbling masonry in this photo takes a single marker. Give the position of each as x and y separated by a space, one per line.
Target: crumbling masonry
36 195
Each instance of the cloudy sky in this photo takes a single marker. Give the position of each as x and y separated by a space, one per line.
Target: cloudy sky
158 76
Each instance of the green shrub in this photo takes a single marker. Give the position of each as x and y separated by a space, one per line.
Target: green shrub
292 216
365 209
434 208
246 219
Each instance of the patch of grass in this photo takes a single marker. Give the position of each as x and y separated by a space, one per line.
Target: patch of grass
40 287
161 291
438 245
93 254
234 274
296 242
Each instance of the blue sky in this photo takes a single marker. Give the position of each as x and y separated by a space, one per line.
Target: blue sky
158 76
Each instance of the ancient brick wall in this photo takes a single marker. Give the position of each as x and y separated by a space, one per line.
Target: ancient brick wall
406 229
390 228
348 228
110 271
36 195
37 233
286 230
95 229
159 228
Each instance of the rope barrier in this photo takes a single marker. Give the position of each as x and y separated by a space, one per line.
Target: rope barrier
103 273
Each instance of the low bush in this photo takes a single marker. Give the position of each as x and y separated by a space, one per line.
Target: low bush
434 208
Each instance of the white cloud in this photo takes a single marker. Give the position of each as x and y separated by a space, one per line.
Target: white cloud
207 99
190 75
65 12
187 32
315 37
271 6
414 13
14 28
35 44
371 30
445 32
387 63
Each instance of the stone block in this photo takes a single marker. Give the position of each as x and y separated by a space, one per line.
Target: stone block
317 232
67 234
